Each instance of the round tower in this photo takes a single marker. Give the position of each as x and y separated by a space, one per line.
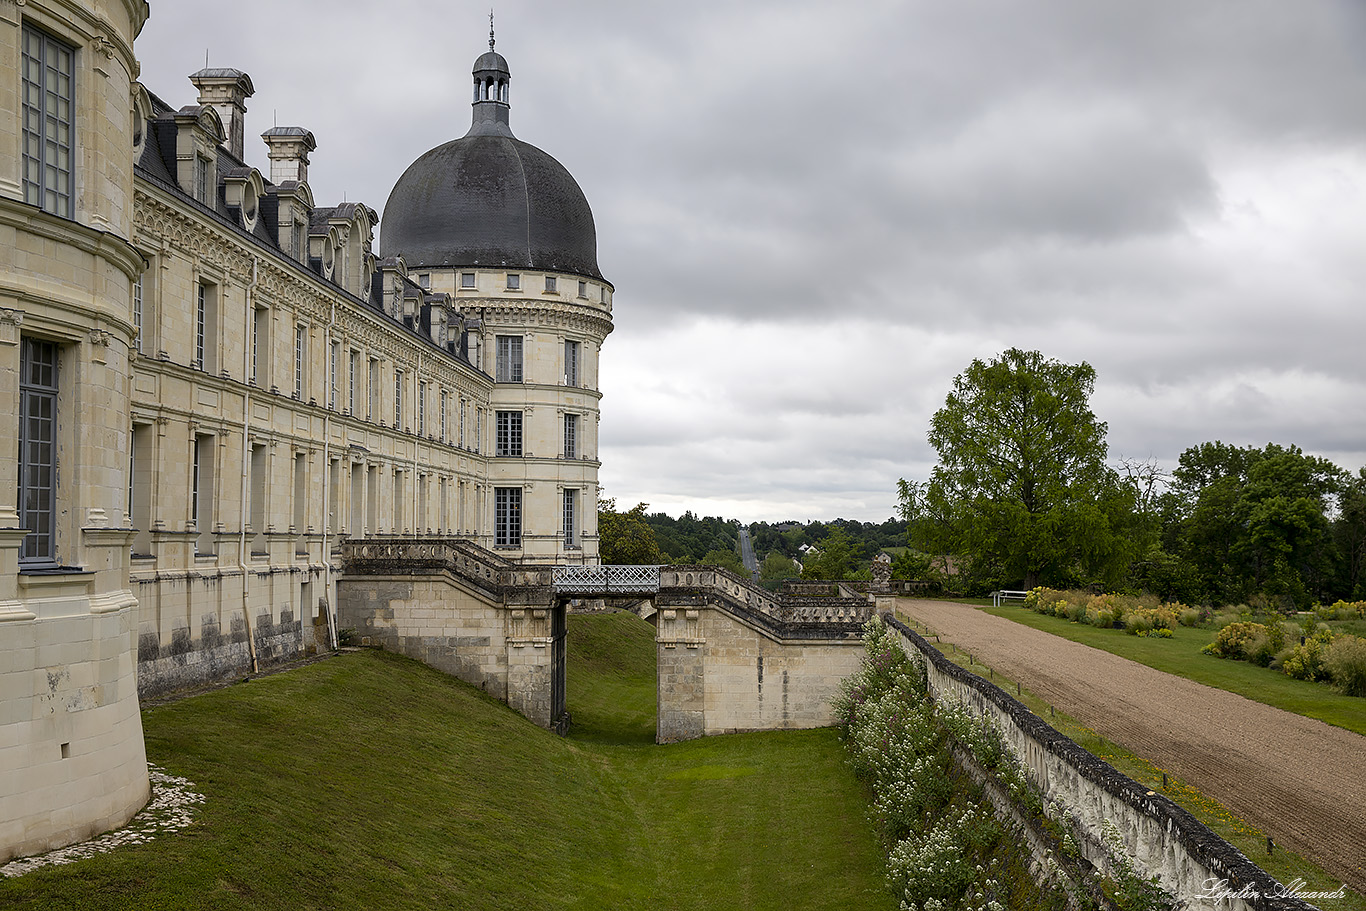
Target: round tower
505 229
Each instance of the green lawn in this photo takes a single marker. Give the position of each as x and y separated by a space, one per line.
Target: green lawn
1181 656
370 781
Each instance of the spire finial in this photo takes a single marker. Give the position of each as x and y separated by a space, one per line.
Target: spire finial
490 28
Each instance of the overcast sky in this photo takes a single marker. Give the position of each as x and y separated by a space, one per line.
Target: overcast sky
817 214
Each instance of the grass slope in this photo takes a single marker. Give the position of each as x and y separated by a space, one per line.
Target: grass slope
370 781
1181 656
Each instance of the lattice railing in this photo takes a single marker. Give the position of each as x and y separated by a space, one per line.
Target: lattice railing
606 580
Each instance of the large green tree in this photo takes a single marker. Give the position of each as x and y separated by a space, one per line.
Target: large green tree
1022 492
1255 520
625 538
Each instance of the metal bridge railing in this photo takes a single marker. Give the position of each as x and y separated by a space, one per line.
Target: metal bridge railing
571 580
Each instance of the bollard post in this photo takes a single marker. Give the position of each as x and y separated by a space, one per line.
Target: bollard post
1270 845
1164 781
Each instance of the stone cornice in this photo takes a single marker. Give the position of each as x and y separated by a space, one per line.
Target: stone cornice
102 244
500 311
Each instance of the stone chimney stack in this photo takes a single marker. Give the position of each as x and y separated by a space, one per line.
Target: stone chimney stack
227 91
289 148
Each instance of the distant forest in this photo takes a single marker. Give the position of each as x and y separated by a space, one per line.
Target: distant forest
710 539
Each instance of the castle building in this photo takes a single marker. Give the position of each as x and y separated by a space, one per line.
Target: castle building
211 382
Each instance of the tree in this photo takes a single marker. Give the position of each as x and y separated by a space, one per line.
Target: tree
835 558
625 538
1256 521
1022 491
777 567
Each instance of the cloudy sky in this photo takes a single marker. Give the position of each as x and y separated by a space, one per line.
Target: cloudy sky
817 214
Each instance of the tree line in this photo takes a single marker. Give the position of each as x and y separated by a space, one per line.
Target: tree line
1023 496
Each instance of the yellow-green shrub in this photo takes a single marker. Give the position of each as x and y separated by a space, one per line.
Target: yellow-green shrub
1232 640
1345 661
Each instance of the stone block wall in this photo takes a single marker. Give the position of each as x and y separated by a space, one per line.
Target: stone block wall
719 674
72 762
1161 838
509 651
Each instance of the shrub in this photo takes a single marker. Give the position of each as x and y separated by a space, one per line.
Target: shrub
1233 640
1341 610
1103 619
1345 661
1189 616
1146 619
1304 661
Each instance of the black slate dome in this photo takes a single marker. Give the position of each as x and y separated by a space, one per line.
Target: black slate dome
489 200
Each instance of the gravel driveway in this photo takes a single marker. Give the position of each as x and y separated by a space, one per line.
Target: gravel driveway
1301 781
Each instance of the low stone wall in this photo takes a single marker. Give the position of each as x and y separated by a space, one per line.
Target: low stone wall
1161 838
192 630
734 658
72 761
461 610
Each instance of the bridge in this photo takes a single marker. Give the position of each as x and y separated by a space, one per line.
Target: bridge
731 656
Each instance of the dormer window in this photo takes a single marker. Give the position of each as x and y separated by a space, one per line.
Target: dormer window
514 282
298 242
201 179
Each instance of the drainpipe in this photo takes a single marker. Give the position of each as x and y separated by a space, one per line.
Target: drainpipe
417 532
246 466
327 483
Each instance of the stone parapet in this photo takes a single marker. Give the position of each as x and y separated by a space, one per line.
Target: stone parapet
1160 837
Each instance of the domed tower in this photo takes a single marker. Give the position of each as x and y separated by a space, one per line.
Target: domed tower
504 228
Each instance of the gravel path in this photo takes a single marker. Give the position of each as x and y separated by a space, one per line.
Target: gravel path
1301 781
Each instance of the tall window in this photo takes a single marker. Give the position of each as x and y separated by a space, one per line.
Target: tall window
38 450
443 415
259 328
206 327
508 441
300 359
461 428
354 385
571 436
398 399
421 408
571 363
509 369
332 370
48 87
507 516
202 493
137 313
372 398
571 518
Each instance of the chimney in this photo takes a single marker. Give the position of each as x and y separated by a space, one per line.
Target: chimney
289 148
227 91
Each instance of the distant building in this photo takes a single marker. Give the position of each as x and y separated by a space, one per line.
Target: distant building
210 381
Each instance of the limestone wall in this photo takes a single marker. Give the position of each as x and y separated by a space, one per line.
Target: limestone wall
72 762
464 612
719 675
1160 837
733 657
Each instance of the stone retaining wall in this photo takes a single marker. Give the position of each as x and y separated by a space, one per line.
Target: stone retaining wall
1161 838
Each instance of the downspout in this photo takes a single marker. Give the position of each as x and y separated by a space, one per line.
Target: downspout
327 481
417 441
246 466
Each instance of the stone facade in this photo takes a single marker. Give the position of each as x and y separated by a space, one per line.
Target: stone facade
212 382
72 761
